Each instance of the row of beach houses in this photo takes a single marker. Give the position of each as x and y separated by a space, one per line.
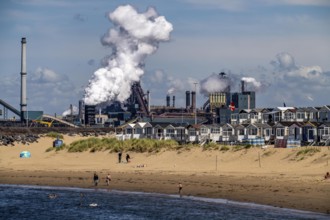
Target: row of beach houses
282 126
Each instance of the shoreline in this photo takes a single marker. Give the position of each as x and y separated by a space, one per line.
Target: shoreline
288 193
272 176
190 197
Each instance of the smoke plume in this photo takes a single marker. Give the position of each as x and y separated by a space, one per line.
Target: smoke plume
134 37
214 83
68 111
252 80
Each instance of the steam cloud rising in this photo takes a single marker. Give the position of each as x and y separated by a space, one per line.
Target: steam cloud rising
134 37
252 80
214 83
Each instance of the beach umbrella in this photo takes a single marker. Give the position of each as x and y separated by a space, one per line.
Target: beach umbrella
25 154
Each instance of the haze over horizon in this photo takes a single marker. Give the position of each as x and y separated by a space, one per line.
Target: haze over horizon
281 48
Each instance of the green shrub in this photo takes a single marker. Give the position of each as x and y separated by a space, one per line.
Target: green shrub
248 146
308 151
237 148
53 134
211 146
224 148
114 145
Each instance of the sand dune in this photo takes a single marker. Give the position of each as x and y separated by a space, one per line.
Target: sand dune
272 176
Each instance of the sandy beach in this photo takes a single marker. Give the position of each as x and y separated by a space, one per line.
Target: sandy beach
276 177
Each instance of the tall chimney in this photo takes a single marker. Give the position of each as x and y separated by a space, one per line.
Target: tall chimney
242 84
23 79
81 110
193 100
187 99
173 101
168 101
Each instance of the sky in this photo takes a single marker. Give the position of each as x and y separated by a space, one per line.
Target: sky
281 46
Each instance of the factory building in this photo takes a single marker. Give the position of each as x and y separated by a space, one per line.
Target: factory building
244 99
90 115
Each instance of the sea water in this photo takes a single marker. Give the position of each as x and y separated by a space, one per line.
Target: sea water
41 202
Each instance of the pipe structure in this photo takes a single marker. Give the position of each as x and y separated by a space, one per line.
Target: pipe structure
148 100
23 79
193 101
242 84
173 101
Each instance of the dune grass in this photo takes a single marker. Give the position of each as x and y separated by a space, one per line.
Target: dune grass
112 145
308 151
54 135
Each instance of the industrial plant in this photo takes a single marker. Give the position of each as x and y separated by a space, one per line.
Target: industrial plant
217 108
225 116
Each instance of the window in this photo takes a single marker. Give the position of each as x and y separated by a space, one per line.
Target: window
280 132
129 131
268 132
253 131
148 130
241 132
138 131
215 130
169 132
243 116
288 116
300 115
204 130
180 132
192 132
227 132
327 131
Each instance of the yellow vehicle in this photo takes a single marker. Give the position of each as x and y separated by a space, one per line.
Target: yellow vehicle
49 124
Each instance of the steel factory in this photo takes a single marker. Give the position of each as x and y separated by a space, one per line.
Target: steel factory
225 116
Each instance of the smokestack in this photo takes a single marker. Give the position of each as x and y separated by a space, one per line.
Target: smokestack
173 101
168 101
23 79
242 84
193 100
71 110
148 100
81 110
187 99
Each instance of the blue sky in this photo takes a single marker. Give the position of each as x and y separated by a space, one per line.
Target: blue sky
284 44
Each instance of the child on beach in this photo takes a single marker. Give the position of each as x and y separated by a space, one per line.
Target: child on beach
180 189
96 179
327 176
108 179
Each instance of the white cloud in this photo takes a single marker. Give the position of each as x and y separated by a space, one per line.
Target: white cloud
296 85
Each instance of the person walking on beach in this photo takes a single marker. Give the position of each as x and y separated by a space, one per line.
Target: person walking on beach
108 179
96 179
127 158
119 157
180 189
